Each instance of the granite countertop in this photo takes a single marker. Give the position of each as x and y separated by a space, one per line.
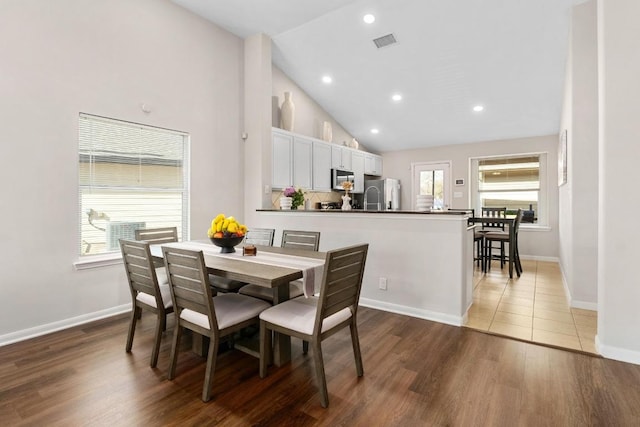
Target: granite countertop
329 211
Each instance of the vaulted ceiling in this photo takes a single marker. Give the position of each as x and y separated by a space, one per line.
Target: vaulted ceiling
450 56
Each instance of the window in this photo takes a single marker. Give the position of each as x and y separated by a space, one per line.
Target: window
131 176
516 181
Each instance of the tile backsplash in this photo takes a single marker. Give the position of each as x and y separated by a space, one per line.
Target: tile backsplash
313 197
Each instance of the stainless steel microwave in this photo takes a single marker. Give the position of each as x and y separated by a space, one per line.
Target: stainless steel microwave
339 176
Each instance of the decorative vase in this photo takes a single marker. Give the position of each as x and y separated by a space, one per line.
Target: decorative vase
285 203
287 112
346 205
327 132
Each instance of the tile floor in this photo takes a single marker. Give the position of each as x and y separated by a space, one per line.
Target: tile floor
532 307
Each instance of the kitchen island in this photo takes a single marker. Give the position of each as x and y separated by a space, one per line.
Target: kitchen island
419 263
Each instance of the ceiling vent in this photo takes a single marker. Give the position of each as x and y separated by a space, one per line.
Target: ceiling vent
383 41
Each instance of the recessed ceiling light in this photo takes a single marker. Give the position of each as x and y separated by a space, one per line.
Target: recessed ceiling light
369 18
478 108
397 97
327 79
374 131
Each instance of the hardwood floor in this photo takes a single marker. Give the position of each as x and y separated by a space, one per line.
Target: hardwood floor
417 373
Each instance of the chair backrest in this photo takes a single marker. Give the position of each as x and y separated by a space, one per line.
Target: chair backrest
342 281
516 224
493 213
306 240
189 283
260 236
140 269
157 236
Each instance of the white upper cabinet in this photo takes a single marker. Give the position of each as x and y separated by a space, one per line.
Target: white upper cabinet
357 163
302 162
281 160
321 166
340 157
372 164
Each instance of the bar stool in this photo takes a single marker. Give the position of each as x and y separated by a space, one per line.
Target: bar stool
504 237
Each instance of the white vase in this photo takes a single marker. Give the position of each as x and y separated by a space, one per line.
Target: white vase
287 112
285 203
346 206
327 132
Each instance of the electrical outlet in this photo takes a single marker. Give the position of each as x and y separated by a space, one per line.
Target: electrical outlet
383 283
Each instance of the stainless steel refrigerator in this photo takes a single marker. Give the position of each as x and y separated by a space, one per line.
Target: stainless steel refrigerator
382 194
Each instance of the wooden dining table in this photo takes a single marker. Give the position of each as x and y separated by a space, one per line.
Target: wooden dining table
510 223
275 273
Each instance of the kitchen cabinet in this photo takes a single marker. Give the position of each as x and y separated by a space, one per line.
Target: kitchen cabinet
302 162
340 157
281 160
321 166
372 164
291 160
357 164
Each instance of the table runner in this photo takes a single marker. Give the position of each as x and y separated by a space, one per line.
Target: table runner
312 268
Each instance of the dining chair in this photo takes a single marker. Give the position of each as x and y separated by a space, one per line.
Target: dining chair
505 237
477 236
254 236
303 240
487 225
197 310
315 319
157 236
149 291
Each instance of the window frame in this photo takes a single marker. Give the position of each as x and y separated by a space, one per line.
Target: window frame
543 191
85 261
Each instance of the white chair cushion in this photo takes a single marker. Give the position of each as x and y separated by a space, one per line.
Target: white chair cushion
230 309
295 290
300 314
148 299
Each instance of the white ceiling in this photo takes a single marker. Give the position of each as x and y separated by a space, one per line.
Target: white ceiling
507 55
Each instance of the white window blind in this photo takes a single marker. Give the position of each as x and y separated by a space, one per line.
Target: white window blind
131 176
515 182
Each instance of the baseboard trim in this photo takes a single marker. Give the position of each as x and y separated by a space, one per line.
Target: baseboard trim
48 328
585 305
617 353
412 312
540 258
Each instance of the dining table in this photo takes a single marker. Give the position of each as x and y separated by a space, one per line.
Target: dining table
509 222
270 267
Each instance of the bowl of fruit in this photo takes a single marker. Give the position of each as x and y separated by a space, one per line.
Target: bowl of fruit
226 233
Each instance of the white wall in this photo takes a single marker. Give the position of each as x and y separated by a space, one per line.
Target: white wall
309 116
106 58
579 197
541 244
619 150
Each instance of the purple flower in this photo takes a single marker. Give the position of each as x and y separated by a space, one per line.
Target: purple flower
289 191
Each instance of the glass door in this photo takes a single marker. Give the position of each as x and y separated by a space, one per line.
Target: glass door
431 179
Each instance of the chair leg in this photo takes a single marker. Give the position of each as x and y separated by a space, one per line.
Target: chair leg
319 365
211 368
502 258
305 347
356 347
265 348
132 326
161 325
173 359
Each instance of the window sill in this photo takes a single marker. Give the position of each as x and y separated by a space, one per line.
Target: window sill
533 227
97 261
